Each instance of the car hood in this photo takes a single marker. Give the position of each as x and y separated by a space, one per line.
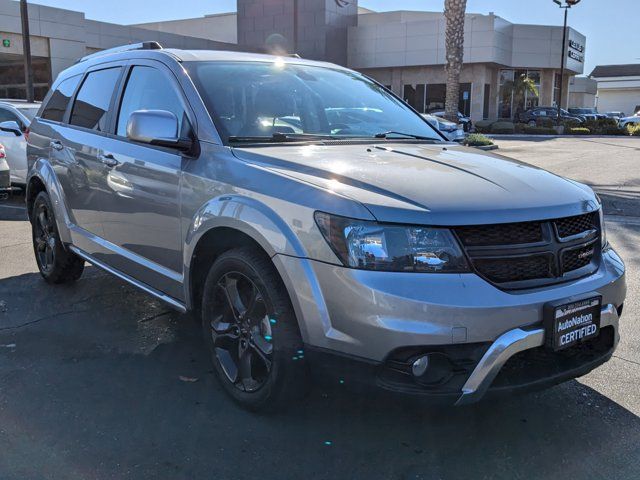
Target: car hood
438 184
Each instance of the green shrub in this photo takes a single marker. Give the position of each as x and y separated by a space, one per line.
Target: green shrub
614 131
578 131
603 126
502 127
633 129
477 140
483 126
570 123
519 127
539 131
545 122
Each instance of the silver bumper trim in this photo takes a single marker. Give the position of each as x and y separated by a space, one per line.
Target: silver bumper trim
507 345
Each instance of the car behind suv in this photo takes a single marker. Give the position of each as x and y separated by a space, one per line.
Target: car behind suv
532 115
15 118
316 223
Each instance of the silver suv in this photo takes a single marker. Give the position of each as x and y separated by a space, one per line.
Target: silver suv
317 224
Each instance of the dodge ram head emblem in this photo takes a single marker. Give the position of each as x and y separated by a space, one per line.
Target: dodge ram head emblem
342 3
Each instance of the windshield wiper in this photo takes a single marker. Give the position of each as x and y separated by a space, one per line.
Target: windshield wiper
408 135
281 137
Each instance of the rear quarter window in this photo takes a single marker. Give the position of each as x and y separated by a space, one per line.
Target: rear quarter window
57 104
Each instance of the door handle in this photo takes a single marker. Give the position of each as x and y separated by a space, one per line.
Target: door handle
109 160
56 145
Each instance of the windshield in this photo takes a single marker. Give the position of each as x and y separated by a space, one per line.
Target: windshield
29 112
259 100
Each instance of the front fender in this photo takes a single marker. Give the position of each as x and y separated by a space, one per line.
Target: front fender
43 171
247 215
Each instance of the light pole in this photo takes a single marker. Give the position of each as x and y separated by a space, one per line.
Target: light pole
26 42
565 5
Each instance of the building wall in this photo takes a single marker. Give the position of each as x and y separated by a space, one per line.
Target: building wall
626 101
582 92
321 27
68 36
397 39
221 27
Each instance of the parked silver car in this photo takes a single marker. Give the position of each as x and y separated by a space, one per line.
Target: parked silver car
317 224
15 118
5 180
451 130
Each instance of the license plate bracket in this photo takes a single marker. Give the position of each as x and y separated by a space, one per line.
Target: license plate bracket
572 320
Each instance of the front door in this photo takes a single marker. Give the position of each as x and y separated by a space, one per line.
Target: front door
142 214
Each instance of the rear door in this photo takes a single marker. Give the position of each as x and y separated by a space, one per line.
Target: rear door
141 216
77 152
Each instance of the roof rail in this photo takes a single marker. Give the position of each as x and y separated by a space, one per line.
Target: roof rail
123 48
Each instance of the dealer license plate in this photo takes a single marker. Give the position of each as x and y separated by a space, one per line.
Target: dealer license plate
575 322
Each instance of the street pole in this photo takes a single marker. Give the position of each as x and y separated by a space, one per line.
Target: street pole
564 54
295 26
26 42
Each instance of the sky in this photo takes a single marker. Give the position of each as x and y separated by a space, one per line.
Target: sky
607 24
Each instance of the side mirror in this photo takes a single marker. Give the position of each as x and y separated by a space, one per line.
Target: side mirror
11 127
156 127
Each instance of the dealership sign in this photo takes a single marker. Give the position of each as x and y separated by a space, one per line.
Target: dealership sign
6 43
576 51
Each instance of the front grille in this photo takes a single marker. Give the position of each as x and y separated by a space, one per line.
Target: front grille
570 226
577 258
501 234
501 270
531 254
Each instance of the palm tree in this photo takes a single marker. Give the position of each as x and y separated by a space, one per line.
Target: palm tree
454 11
520 85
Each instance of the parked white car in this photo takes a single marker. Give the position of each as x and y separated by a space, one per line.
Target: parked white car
623 122
5 183
451 130
15 118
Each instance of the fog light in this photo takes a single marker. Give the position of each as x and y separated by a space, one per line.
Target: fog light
420 366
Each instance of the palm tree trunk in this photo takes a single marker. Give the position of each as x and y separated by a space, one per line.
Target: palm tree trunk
454 11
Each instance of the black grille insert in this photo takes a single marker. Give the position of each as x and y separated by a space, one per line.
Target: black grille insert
570 226
501 234
531 254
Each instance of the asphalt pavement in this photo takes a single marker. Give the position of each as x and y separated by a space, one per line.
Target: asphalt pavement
100 381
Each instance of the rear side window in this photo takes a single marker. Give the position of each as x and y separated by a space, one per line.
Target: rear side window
93 100
57 104
148 89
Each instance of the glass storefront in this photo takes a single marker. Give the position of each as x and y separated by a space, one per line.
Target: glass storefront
430 97
519 91
12 82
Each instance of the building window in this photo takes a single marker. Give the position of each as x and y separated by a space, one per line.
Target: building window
431 97
414 95
519 91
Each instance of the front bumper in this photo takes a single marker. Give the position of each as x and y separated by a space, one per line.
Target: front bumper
368 320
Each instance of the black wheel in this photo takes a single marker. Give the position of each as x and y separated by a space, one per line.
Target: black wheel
56 264
252 333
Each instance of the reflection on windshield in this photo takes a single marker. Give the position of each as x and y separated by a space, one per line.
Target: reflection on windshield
260 99
29 112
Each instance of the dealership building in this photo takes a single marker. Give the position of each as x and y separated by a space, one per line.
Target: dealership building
404 50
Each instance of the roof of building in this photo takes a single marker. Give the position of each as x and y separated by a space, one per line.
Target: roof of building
628 70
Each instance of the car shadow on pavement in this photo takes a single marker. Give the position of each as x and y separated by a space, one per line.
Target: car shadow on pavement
100 381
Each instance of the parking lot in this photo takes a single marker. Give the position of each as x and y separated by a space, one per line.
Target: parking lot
100 381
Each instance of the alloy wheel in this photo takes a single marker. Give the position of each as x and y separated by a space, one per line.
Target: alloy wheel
241 332
45 238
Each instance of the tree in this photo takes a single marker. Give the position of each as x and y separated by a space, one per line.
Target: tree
454 11
519 86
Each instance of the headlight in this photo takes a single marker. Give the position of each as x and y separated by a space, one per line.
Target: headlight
392 248
603 230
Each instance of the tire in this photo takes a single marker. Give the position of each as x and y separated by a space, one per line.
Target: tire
269 372
55 262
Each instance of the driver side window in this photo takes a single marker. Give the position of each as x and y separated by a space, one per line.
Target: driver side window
148 89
